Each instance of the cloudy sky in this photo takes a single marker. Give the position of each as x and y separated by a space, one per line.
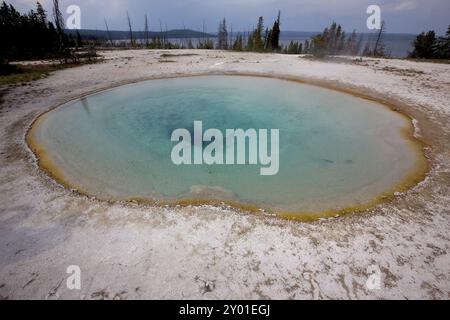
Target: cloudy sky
401 16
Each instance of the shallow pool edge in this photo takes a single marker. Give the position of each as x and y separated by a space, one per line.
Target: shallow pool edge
412 178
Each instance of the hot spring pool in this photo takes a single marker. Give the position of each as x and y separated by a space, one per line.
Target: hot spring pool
336 151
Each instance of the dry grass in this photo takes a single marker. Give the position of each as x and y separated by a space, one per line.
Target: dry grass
25 73
403 72
169 55
166 61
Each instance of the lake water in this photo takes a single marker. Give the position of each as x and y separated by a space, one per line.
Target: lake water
396 45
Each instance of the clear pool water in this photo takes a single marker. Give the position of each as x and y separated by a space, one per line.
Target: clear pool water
336 150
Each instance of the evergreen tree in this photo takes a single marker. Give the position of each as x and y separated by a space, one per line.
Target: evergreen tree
442 46
294 47
41 15
250 43
26 36
258 44
207 44
222 37
428 46
320 45
238 43
275 34
425 46
334 41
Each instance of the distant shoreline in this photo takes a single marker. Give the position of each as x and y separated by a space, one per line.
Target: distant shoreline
397 44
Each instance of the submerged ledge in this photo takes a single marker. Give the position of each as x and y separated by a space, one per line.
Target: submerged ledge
412 178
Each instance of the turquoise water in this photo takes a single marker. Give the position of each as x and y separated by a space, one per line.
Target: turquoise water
336 150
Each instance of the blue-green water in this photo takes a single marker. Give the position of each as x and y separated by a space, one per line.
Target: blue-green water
336 150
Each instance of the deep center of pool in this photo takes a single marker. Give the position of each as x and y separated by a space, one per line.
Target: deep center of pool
335 150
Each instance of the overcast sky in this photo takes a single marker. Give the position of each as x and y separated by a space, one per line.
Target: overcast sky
401 16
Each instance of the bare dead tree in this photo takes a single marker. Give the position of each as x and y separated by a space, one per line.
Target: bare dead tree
147 37
108 33
202 37
183 40
130 30
205 42
231 37
59 22
379 48
167 41
161 34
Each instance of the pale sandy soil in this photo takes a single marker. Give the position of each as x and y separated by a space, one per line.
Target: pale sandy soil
129 251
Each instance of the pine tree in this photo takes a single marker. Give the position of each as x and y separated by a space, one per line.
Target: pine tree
238 43
294 48
42 16
275 35
442 47
250 43
222 41
257 36
320 45
25 36
425 46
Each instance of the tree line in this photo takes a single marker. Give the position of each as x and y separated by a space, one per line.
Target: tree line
428 46
32 35
332 41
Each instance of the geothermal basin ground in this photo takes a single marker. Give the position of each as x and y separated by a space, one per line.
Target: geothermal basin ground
133 250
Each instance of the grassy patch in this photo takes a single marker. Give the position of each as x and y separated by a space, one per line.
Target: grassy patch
23 74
